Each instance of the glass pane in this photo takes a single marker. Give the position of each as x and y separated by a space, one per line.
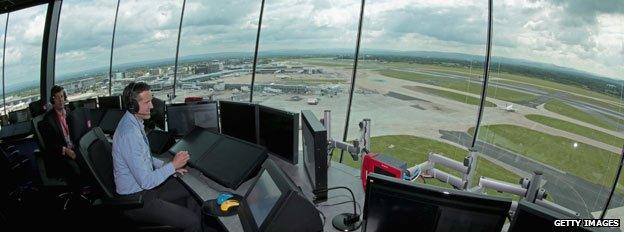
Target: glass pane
557 73
23 56
145 44
419 81
83 47
2 30
305 60
216 49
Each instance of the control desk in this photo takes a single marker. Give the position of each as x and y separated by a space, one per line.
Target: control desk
339 201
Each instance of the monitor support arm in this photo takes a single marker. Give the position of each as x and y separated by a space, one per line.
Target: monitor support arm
529 189
358 148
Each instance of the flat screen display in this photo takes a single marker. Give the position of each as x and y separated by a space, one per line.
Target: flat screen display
238 119
182 118
279 132
263 197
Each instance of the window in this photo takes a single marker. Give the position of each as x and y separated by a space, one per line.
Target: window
419 80
305 58
23 56
564 61
3 18
145 44
216 49
83 47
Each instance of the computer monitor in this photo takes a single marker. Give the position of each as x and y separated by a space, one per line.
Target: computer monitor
532 217
37 108
111 119
238 119
22 115
232 161
279 132
160 141
315 161
395 205
109 102
275 203
86 103
182 118
197 143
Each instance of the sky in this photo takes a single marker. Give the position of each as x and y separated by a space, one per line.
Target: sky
585 35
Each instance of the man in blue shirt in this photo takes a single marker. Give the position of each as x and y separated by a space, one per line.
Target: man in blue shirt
165 200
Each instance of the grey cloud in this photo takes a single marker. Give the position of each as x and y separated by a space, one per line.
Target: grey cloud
464 25
585 11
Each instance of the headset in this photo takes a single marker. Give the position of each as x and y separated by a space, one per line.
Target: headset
132 105
61 89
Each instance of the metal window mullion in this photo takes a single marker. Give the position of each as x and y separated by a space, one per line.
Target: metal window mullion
255 58
355 63
110 66
486 72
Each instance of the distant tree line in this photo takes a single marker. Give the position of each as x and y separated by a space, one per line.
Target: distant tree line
555 74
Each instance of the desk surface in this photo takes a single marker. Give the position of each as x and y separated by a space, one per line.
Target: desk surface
339 201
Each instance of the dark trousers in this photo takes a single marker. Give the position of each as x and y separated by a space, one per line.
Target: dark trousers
169 204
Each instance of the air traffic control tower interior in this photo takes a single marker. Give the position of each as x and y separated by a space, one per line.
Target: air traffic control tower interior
308 115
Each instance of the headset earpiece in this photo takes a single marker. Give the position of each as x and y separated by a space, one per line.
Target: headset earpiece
132 105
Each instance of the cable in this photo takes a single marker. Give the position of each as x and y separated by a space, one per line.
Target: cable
348 189
323 216
344 202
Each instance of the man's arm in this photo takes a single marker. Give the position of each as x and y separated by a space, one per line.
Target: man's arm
50 138
140 168
157 162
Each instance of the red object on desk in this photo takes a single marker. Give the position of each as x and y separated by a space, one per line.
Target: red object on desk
193 99
382 164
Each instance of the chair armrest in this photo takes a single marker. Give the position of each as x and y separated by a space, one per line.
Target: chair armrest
120 202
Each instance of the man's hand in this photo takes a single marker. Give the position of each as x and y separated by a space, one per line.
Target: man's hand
181 171
180 159
70 153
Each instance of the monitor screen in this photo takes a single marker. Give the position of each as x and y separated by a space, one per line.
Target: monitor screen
182 118
529 216
392 204
37 108
110 102
22 115
262 197
270 201
89 103
238 119
196 143
232 161
111 119
314 138
279 132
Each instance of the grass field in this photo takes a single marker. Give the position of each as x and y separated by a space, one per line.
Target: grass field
585 161
325 62
557 86
460 85
296 81
415 150
452 96
572 112
577 129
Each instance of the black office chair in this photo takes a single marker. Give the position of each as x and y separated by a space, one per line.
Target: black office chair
12 174
50 170
37 107
97 153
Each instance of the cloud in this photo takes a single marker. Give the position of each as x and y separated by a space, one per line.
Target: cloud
586 35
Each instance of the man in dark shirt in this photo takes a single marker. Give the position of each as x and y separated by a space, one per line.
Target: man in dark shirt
54 129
